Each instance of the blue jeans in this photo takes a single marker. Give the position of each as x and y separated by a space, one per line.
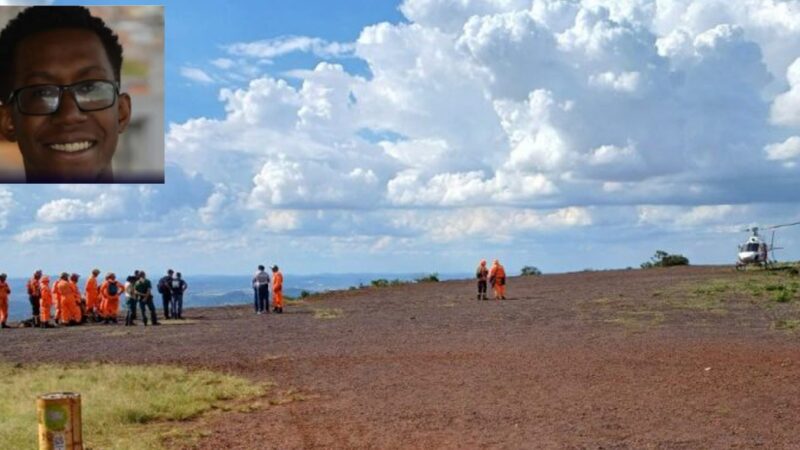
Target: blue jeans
177 305
261 297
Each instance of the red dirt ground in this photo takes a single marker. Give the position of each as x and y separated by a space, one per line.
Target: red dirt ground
596 360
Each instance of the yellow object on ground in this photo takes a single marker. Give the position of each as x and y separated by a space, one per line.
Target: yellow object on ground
59 416
124 407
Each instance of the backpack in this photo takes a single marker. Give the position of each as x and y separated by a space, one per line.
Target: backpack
163 286
113 289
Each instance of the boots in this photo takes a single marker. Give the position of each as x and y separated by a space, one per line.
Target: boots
3 325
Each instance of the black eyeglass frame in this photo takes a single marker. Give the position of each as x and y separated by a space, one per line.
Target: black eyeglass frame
14 96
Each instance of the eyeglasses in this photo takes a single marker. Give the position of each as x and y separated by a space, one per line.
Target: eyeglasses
44 99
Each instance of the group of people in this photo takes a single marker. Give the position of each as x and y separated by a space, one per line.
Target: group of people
171 287
495 276
100 299
261 282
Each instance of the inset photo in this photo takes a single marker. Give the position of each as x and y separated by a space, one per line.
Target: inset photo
81 94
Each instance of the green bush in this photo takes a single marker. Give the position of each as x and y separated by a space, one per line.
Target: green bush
383 282
304 293
530 271
432 278
664 259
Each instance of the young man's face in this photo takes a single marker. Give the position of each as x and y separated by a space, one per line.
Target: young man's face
69 145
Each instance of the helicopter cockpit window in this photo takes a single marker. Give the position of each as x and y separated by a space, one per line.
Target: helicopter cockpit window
752 247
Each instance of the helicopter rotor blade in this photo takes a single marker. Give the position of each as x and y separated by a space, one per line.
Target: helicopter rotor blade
782 225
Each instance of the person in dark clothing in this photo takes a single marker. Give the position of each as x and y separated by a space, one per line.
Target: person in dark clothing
178 287
261 291
143 289
34 295
165 289
481 273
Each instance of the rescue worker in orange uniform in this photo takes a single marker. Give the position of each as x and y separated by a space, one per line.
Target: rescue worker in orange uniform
5 291
481 273
69 299
34 294
110 291
46 302
92 292
497 277
277 290
73 281
57 302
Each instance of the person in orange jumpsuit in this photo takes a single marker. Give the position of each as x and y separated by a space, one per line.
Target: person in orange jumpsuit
57 302
110 291
5 291
46 302
481 273
497 277
70 300
92 293
73 280
277 290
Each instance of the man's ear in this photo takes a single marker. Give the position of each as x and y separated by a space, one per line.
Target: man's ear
124 111
7 128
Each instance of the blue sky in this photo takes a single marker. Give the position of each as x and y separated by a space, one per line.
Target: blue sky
424 135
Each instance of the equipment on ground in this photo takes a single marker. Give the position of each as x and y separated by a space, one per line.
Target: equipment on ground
755 251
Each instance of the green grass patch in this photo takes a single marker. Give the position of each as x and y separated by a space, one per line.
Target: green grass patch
123 407
328 313
763 286
789 324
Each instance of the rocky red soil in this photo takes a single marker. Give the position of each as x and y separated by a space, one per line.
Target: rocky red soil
613 360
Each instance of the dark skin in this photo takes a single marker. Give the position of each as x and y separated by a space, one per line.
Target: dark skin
63 57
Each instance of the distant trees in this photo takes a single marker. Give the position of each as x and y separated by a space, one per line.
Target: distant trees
664 259
530 271
430 278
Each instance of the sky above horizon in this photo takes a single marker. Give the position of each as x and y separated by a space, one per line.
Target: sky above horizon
424 135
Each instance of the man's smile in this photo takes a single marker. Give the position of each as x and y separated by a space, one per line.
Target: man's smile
72 147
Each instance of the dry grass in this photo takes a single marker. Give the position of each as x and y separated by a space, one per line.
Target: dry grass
123 407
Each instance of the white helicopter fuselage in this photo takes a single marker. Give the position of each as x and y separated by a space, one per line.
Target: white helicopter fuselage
754 251
748 257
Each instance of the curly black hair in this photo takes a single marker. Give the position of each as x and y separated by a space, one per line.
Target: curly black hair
37 19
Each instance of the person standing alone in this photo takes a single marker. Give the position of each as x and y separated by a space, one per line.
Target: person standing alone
261 290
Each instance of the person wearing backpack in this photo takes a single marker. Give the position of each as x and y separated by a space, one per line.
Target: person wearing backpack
178 286
165 289
110 291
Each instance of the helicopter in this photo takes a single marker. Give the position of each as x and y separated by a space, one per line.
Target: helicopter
755 250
